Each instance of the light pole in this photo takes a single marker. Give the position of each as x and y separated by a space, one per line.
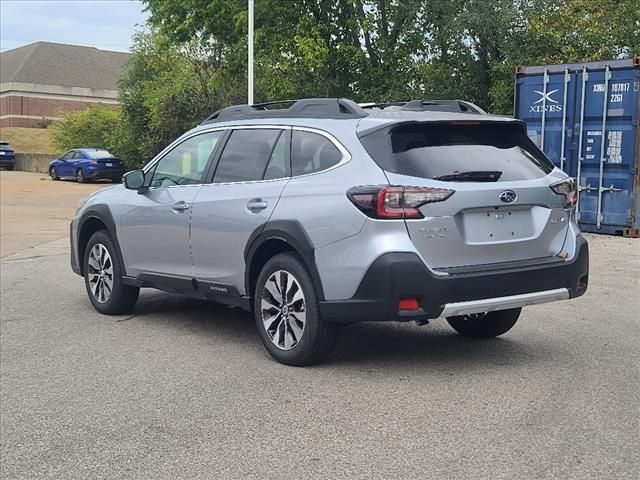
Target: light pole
250 41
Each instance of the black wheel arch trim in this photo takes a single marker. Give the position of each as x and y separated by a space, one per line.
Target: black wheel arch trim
290 232
102 213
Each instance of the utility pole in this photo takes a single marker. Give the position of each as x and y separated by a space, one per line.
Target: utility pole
250 41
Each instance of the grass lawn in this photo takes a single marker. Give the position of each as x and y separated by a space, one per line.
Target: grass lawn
28 140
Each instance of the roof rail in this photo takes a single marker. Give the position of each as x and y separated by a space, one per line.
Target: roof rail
338 108
430 105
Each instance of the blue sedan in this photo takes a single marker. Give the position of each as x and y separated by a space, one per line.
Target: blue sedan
7 156
87 164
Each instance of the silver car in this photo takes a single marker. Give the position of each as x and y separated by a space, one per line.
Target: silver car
327 211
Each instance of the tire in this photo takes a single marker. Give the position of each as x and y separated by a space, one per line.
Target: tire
301 337
80 176
53 174
117 180
10 168
485 325
122 297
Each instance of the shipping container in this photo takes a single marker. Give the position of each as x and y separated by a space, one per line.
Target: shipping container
585 118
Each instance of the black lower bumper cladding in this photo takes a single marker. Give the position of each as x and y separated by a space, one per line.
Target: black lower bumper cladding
403 275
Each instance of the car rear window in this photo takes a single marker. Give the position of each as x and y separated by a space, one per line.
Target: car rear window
98 154
5 146
458 151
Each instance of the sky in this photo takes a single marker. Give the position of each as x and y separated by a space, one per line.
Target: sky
104 24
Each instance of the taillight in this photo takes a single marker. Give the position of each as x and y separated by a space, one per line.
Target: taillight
568 189
387 202
93 162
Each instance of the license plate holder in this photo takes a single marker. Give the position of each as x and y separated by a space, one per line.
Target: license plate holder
497 225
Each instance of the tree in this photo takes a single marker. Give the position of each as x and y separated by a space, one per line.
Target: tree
167 90
369 50
581 31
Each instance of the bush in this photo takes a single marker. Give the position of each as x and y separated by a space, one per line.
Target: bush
95 126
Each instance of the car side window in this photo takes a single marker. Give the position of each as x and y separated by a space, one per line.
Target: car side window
186 163
312 152
67 156
77 156
246 155
278 166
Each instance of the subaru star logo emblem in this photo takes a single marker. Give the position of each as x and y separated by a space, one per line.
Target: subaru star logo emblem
508 196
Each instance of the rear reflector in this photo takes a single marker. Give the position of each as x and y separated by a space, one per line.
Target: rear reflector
408 304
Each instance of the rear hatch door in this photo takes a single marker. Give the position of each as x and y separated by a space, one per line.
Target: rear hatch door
503 209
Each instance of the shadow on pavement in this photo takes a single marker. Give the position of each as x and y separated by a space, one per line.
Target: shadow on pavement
434 345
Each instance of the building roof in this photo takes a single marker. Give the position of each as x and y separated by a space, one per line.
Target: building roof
64 65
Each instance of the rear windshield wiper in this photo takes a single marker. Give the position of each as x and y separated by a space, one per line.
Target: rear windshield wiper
476 176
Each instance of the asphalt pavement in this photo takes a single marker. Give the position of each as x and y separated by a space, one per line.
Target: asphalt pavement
184 389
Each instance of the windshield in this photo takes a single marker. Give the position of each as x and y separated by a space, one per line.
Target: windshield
97 154
458 151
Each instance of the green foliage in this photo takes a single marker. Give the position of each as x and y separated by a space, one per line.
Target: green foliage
193 60
167 90
95 126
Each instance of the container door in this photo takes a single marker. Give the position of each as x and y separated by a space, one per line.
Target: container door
547 103
609 137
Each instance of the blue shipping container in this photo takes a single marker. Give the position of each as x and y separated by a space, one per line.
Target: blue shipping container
585 118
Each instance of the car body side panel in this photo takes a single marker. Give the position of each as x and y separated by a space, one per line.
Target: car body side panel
342 264
222 223
329 215
154 236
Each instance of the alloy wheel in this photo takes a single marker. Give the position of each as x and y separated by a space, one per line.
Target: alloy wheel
100 273
283 309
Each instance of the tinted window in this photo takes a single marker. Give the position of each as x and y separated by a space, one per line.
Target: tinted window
245 155
186 163
278 166
97 154
481 151
312 152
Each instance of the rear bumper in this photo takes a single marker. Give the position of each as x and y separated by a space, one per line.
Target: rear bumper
394 276
7 161
105 174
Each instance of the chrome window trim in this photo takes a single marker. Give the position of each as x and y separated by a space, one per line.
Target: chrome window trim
346 156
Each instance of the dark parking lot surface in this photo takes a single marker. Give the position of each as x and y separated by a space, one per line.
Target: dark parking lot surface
184 389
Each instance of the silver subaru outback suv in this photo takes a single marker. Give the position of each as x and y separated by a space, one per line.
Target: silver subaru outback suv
327 211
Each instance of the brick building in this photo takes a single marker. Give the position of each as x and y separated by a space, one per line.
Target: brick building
42 79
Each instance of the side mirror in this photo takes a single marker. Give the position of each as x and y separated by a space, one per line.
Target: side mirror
134 180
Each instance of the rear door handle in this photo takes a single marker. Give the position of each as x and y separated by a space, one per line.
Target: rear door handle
181 206
256 204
